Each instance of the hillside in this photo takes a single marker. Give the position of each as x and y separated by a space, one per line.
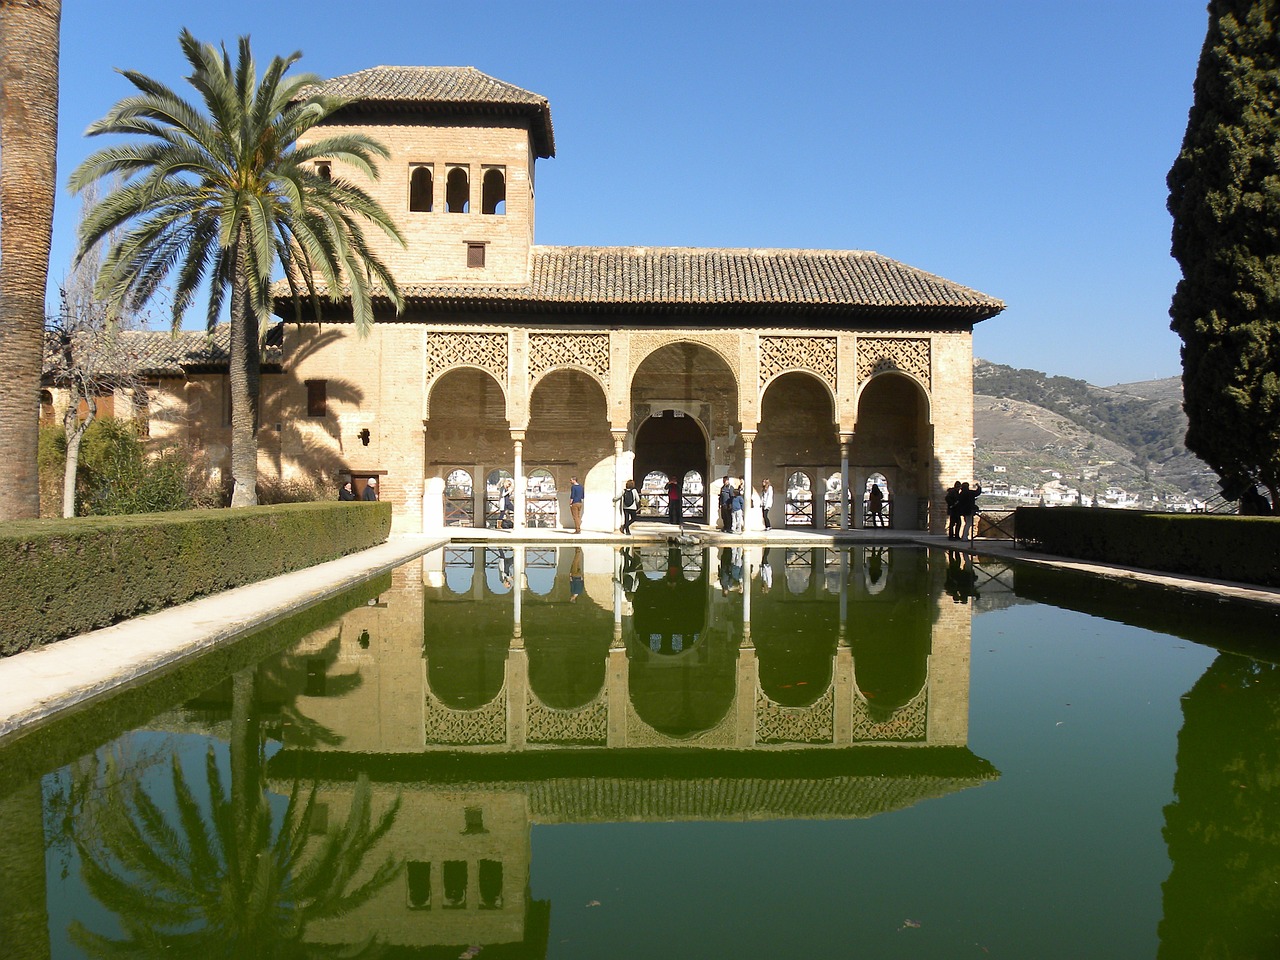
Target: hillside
1127 436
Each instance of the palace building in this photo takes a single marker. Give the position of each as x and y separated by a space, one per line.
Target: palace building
820 370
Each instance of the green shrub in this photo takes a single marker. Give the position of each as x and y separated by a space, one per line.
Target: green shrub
59 578
1241 549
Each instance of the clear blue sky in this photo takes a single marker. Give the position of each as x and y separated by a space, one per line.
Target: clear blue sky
1015 146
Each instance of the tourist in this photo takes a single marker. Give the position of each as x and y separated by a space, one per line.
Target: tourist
576 496
576 582
766 502
953 512
737 507
875 504
371 489
673 503
630 498
726 506
506 504
968 503
766 572
345 492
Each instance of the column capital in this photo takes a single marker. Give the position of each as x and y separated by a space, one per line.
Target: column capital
517 436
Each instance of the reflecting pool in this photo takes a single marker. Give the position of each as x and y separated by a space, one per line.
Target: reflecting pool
540 751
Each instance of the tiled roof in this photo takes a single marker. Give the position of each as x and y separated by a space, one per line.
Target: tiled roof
155 353
445 88
728 282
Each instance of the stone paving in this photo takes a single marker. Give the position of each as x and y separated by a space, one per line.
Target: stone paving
37 684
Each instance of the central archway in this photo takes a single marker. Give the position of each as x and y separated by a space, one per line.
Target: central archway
684 406
674 444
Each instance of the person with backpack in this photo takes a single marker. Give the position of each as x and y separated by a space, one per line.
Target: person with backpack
630 498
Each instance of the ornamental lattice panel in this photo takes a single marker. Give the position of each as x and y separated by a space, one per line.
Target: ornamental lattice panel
811 724
815 354
488 351
444 725
905 726
909 355
588 725
590 351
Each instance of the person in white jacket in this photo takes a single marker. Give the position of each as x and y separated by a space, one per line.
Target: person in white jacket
766 502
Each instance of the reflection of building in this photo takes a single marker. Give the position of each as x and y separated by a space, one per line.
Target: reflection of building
493 702
607 363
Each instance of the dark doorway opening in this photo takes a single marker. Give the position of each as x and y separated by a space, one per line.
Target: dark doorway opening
673 442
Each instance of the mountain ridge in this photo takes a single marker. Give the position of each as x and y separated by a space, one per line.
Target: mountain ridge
1030 426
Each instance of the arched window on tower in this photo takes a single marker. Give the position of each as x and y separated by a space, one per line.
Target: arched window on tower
494 192
323 170
458 190
421 190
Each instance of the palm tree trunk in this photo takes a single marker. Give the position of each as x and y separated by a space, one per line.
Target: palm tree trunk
28 181
244 373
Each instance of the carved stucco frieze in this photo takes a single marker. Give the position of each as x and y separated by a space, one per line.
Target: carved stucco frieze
590 351
909 355
447 726
814 354
812 724
588 725
488 351
908 723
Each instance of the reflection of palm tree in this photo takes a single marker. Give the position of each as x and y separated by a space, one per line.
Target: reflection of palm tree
278 683
226 878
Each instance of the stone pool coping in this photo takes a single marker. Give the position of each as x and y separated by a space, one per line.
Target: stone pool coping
40 683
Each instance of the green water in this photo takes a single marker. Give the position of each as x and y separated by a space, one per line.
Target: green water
575 752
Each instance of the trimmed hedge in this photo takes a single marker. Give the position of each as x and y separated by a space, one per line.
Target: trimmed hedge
60 578
1242 549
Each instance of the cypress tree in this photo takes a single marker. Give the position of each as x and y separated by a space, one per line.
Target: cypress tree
1224 194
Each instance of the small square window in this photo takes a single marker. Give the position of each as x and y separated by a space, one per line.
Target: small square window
317 398
475 254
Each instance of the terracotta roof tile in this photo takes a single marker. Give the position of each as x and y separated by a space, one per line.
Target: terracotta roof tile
445 89
661 280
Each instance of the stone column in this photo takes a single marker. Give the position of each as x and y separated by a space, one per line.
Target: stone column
748 438
518 478
845 492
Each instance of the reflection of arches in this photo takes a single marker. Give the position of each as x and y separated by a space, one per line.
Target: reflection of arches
795 646
682 678
892 635
499 569
893 439
567 644
459 570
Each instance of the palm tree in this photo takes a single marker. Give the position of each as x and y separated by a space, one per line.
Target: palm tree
229 195
28 180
